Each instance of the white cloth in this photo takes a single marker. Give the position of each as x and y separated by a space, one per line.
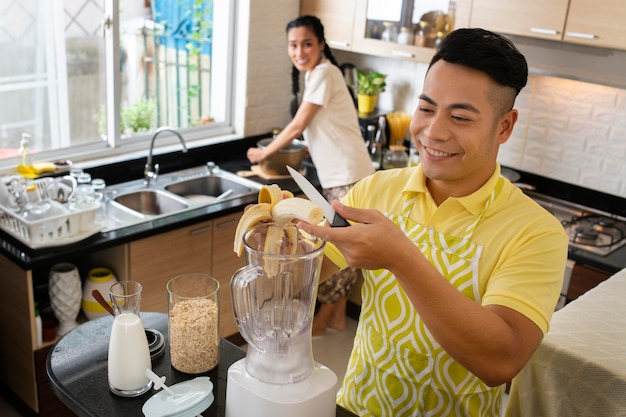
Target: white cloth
579 368
333 136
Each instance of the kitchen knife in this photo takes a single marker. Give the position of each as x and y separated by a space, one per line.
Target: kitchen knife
315 196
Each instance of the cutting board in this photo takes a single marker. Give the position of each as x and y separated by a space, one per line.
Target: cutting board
255 170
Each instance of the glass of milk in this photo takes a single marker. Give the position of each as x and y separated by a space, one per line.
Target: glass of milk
129 355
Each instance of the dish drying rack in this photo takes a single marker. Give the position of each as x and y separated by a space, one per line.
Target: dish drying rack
70 226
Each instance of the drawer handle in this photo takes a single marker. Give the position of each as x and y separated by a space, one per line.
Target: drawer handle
199 230
403 54
580 35
544 31
227 223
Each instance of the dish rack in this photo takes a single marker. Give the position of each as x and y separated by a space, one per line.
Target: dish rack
70 225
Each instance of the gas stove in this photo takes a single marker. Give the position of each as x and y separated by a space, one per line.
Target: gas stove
588 229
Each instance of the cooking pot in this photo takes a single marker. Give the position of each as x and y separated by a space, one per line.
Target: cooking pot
291 155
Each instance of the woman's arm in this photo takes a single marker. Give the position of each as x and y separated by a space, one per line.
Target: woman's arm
294 129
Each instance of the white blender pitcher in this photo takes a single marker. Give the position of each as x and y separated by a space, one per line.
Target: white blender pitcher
274 301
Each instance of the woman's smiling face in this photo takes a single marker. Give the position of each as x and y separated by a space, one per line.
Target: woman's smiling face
304 49
457 128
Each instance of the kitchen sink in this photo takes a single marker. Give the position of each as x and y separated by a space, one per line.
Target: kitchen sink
152 202
207 187
135 202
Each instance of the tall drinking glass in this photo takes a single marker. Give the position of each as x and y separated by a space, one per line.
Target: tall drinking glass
129 355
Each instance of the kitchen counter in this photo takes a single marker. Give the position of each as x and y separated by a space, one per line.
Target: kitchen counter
229 156
77 371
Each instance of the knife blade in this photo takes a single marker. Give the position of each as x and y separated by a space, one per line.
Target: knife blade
311 192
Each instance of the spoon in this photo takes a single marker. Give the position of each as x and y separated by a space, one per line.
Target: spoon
100 299
224 194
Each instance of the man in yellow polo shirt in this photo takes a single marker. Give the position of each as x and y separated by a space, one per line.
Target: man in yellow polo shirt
462 270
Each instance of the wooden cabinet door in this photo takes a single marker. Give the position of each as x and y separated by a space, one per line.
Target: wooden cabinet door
337 18
535 18
597 23
225 263
157 259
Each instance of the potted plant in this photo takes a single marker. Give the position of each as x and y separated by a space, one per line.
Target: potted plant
370 84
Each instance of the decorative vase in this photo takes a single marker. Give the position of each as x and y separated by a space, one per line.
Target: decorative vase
65 290
99 279
366 103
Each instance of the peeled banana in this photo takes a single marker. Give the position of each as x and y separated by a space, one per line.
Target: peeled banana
278 206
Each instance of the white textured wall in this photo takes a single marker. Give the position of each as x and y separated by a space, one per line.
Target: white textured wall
268 81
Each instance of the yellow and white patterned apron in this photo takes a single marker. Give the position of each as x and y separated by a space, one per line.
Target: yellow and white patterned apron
396 367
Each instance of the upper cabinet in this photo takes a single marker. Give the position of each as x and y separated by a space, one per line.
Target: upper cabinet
597 23
590 22
406 29
536 18
337 18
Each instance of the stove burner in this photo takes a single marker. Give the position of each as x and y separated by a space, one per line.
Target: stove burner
586 235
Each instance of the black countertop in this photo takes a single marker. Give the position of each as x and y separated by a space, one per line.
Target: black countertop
228 156
77 371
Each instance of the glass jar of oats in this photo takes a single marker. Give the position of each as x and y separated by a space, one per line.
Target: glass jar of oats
193 322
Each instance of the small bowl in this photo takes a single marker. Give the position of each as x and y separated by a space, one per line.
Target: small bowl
62 165
156 344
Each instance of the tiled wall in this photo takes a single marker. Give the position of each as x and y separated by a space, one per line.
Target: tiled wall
571 131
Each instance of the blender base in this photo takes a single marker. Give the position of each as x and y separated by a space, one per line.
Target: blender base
313 397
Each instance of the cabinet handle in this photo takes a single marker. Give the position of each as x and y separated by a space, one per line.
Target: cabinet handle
403 54
580 35
226 223
544 31
199 230
338 43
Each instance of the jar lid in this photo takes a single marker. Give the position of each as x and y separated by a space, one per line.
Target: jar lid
193 397
397 147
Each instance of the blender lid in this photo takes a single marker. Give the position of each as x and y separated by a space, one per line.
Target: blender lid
194 396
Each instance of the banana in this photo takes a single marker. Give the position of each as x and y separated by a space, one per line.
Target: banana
271 194
297 208
278 206
255 214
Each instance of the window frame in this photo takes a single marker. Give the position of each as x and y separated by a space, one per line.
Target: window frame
222 99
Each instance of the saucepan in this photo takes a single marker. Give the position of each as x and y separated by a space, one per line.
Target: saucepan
292 155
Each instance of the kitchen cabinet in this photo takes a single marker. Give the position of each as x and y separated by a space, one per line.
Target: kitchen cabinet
157 259
337 18
596 23
225 263
366 41
348 26
584 279
535 18
590 22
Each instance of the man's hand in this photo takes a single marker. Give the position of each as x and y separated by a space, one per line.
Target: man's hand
371 242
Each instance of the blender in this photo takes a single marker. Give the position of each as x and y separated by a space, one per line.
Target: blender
274 301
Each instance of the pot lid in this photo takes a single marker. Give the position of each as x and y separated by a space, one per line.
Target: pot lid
193 397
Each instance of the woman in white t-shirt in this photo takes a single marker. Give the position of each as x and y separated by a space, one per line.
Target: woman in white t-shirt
328 121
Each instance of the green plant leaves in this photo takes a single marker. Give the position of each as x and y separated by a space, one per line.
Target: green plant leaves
371 83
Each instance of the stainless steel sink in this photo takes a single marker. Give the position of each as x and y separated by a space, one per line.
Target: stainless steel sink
207 186
152 202
135 202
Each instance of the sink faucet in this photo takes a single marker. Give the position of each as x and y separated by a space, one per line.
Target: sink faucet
149 172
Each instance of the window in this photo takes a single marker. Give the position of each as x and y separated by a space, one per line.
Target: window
88 76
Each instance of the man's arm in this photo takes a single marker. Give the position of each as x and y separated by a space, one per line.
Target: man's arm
493 342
